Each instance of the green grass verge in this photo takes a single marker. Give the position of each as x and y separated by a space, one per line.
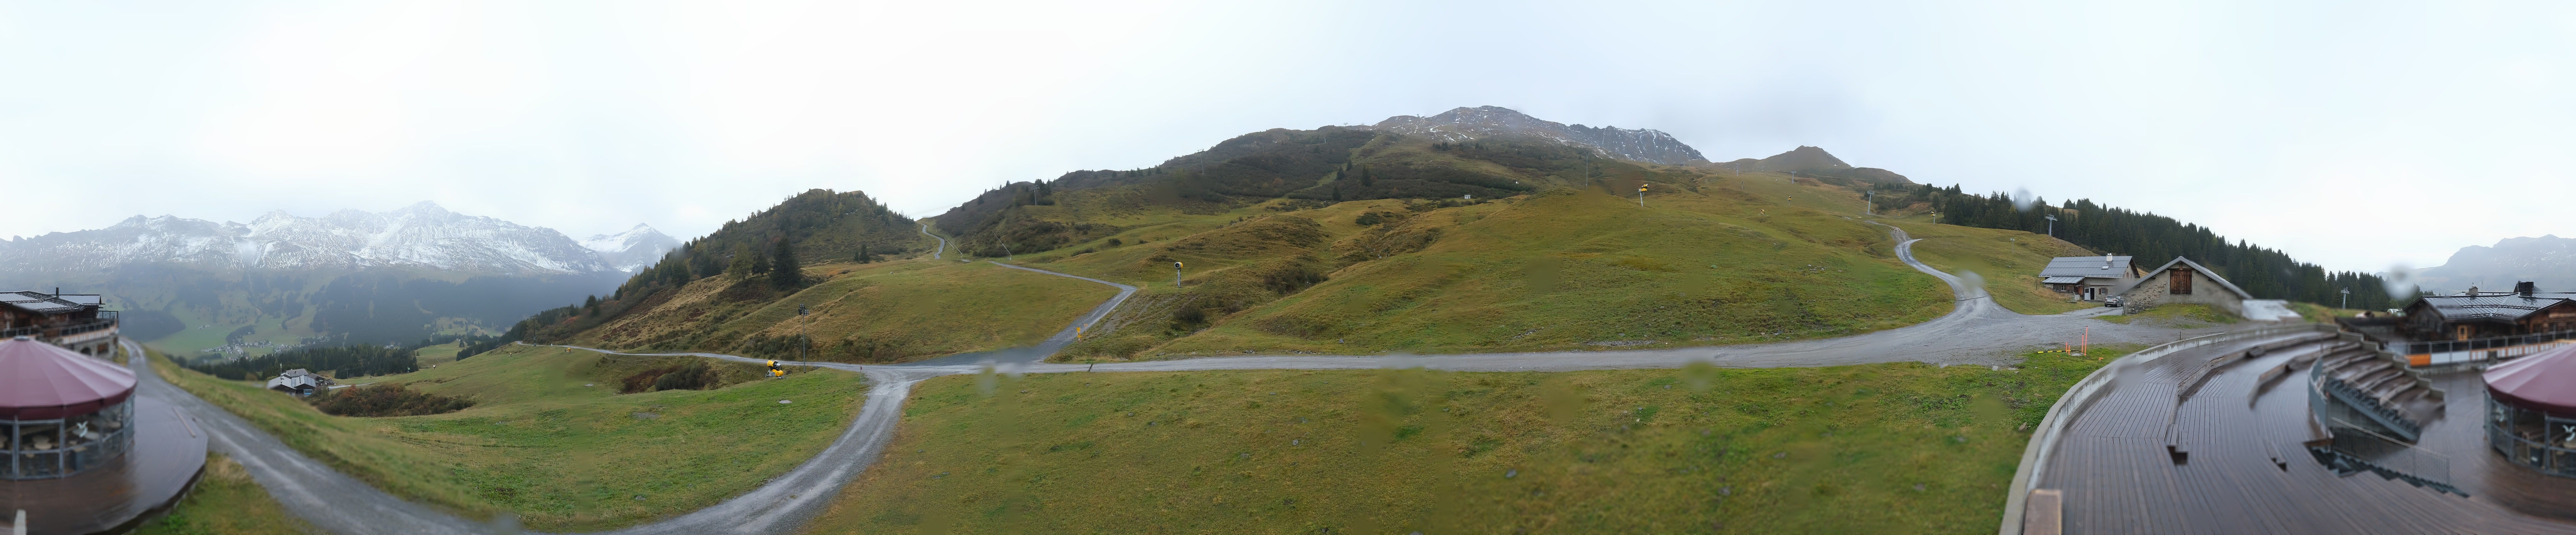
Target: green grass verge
226 502
559 454
2322 314
437 354
2180 316
1891 448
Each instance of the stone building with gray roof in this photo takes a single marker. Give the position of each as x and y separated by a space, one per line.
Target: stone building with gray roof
2088 278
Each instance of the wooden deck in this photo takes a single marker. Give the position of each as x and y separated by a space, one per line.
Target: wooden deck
166 457
2247 471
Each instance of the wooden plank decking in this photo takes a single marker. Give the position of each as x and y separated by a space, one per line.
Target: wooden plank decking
2116 476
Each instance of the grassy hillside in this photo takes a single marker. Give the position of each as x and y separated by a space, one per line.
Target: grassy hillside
546 444
2008 261
1713 258
1894 448
879 312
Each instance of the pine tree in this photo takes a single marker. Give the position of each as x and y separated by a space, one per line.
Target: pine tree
745 262
786 274
863 254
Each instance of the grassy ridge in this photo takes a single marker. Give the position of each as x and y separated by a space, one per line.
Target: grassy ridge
1840 450
880 312
559 454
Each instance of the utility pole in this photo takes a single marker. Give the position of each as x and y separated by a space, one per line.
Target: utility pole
1176 275
1641 195
1868 201
2052 225
1006 253
802 341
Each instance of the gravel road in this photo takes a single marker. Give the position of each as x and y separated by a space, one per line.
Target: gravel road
1975 332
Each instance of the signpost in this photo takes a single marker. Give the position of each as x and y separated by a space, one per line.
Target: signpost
2347 297
1176 275
2052 225
1641 195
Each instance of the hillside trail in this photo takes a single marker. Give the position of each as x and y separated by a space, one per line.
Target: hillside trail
943 242
1975 332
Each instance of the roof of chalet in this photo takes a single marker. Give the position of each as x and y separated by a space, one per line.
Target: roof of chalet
2504 307
40 302
2062 279
2195 266
2087 266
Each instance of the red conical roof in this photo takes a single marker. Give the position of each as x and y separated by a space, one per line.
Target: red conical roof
2544 381
40 381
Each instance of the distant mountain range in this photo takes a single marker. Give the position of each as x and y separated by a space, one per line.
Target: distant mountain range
419 236
400 275
1482 122
2548 260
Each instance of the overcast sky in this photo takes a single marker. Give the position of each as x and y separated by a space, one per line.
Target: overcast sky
2349 134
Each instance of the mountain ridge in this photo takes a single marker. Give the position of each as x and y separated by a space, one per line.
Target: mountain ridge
422 235
1469 124
2542 260
1815 161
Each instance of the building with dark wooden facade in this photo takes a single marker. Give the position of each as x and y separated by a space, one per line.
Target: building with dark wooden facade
73 321
2474 314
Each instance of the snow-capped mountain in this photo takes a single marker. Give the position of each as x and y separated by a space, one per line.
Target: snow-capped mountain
421 235
635 248
2548 260
1464 124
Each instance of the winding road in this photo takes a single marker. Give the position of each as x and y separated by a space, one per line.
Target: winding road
943 243
1975 332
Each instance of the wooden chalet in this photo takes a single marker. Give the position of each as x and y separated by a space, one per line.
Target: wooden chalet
2474 314
73 321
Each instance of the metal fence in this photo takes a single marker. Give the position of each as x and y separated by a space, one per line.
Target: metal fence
2478 344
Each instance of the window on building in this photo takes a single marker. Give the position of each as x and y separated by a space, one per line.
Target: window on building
2181 284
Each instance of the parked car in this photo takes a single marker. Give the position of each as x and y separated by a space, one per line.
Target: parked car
2112 301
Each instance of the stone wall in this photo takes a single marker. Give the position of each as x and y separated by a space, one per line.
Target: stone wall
2156 290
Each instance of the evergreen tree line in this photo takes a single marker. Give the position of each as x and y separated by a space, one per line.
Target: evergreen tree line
2154 240
342 361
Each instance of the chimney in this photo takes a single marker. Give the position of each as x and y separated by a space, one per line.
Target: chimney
2473 291
2525 288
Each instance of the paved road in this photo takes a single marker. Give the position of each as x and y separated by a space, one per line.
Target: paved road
943 243
1974 332
329 499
